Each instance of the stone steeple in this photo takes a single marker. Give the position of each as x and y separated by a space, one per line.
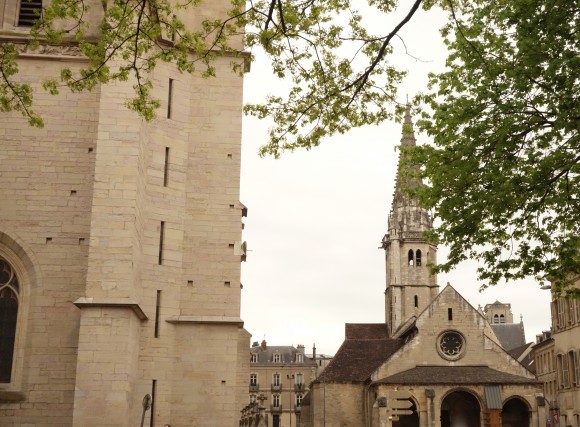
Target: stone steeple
409 285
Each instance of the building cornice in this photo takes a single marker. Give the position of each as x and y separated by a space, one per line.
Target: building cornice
219 320
85 302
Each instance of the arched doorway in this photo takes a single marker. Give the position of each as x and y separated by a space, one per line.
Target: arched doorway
411 420
460 409
515 413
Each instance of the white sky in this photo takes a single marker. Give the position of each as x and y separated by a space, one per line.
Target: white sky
316 219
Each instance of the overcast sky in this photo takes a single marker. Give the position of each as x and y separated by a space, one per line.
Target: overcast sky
316 219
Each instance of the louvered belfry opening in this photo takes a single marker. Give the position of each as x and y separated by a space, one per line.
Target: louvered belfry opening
29 12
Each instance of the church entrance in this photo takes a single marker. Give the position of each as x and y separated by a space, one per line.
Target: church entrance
515 413
460 409
411 420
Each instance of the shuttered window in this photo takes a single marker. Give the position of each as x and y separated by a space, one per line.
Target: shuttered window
29 12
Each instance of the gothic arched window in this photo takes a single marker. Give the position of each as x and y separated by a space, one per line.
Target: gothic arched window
495 319
418 258
501 318
410 257
9 290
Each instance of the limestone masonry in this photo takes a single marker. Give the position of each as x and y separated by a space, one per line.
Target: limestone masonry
120 248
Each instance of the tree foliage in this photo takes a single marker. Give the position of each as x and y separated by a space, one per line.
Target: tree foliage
502 170
132 37
504 167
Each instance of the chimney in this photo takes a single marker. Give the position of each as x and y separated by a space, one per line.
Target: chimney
314 351
264 344
255 344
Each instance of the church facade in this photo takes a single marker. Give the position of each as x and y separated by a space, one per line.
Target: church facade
436 360
120 245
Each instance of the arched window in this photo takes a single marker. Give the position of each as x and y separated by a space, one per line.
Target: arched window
410 257
9 290
418 258
501 318
416 301
495 318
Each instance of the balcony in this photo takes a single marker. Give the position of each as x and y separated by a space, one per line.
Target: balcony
299 387
275 409
276 387
254 387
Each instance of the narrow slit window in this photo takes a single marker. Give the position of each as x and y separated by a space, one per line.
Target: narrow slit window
169 98
418 258
166 168
161 233
416 301
152 411
449 314
157 306
410 257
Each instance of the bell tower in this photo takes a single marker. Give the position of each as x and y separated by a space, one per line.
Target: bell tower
410 287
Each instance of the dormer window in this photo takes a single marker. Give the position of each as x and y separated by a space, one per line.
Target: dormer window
254 358
299 358
276 358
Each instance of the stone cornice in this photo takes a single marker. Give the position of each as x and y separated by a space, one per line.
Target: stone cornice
113 303
221 320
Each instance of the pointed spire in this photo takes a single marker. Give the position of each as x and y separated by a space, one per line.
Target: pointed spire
408 139
403 204
403 179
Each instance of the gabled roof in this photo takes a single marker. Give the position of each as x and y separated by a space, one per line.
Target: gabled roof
455 375
365 348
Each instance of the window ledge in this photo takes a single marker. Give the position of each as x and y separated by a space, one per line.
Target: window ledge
12 396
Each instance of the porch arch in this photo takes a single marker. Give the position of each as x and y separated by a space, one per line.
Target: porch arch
411 420
460 408
515 412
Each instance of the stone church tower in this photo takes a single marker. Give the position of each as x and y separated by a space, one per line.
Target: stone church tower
120 246
410 286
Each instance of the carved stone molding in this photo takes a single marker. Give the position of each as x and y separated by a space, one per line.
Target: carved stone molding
48 49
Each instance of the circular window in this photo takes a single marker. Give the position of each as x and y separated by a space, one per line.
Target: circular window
451 345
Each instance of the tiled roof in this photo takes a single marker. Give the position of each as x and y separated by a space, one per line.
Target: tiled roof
366 347
455 375
525 356
366 331
518 351
287 355
510 335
